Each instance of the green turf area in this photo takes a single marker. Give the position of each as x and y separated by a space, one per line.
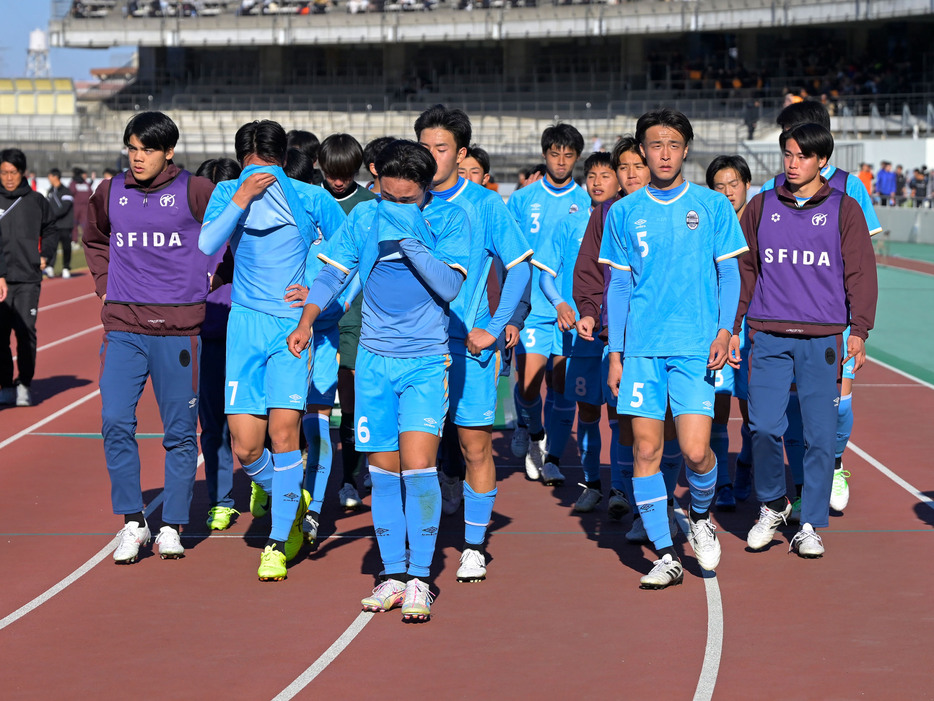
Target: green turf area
77 260
904 317
915 251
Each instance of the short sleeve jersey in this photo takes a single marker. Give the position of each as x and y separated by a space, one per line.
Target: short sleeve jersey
671 249
539 210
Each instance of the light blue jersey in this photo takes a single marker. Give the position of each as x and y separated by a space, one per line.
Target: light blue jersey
494 234
557 258
671 248
539 210
271 238
402 317
854 188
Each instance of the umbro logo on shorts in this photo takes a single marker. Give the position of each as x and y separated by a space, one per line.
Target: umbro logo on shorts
431 422
192 402
431 530
708 405
645 508
294 398
382 531
291 496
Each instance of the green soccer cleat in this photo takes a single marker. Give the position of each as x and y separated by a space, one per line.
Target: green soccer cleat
259 501
219 517
272 565
294 542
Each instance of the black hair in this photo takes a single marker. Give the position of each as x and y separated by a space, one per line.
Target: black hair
664 117
626 144
299 166
304 141
153 129
737 163
56 172
263 138
481 157
453 120
110 171
812 139
540 169
598 158
806 112
219 169
562 135
407 160
15 158
340 156
372 150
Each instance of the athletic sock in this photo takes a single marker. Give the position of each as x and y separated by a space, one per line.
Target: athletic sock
778 505
516 399
317 429
260 471
422 516
652 503
616 477
388 518
670 550
625 460
745 450
286 492
794 439
590 443
451 461
136 518
702 488
174 526
844 423
671 465
720 445
550 398
696 516
276 544
349 456
531 413
560 423
478 510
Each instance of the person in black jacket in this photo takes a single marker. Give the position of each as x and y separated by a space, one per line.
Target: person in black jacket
25 217
61 203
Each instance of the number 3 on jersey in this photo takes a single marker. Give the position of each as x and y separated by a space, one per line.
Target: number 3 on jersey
536 224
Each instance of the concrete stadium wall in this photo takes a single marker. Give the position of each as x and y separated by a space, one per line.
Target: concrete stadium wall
912 225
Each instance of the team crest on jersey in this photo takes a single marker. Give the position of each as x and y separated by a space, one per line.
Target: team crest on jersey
573 208
776 217
167 200
819 219
692 220
122 201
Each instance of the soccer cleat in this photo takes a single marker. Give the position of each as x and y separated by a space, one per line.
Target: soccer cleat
24 396
310 528
132 536
520 442
169 544
219 517
259 501
534 459
416 605
807 543
666 572
48 271
763 531
452 493
473 566
703 539
742 483
387 595
673 527
839 490
349 497
367 482
298 534
588 500
272 565
795 515
637 533
551 475
725 500
618 505
66 273
7 396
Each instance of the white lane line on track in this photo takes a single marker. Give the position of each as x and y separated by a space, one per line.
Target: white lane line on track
29 429
73 336
714 647
67 301
328 656
901 372
904 484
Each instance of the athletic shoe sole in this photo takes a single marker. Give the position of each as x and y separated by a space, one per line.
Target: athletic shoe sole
675 582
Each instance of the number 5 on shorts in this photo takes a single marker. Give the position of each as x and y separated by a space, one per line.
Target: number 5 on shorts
637 397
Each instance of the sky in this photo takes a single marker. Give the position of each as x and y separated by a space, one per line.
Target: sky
20 18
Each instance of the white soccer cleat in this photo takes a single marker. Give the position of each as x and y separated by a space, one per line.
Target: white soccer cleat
666 572
132 536
349 498
762 533
807 543
472 567
169 544
840 490
703 539
416 606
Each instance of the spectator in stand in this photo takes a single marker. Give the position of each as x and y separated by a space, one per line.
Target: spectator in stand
900 181
81 189
865 176
885 184
26 219
61 203
919 187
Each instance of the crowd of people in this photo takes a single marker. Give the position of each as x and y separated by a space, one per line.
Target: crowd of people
261 288
894 187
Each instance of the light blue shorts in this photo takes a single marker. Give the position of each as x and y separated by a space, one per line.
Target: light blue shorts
724 380
323 387
261 372
605 376
649 385
849 368
584 380
537 337
473 388
395 395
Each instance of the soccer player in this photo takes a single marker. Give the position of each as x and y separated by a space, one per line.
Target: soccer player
475 166
730 175
671 301
411 252
272 223
810 271
473 333
141 246
811 112
576 374
539 209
